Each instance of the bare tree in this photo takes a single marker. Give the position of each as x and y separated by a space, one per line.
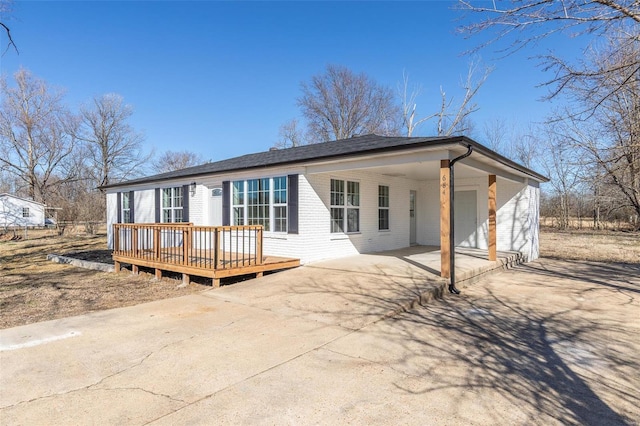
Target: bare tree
5 9
339 104
528 22
171 160
114 148
562 165
36 142
610 136
497 135
451 118
290 135
408 97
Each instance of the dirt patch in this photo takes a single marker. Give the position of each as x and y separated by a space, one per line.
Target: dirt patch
33 289
589 245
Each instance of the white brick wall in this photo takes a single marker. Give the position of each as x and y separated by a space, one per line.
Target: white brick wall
517 205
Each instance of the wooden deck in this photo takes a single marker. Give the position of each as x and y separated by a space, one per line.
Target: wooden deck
207 251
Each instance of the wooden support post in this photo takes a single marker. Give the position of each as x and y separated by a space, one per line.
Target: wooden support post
493 236
186 279
156 243
215 282
158 274
259 247
186 245
134 231
116 238
116 266
445 206
259 274
216 248
135 269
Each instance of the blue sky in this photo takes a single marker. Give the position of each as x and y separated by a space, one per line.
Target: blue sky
219 78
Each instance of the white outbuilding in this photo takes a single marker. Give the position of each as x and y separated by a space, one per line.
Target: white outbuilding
20 212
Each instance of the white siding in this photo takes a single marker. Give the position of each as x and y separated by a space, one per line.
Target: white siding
11 212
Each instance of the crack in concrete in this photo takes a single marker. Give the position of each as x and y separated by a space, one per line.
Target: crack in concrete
93 386
254 375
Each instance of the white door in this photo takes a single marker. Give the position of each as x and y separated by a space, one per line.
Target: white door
466 218
215 207
412 218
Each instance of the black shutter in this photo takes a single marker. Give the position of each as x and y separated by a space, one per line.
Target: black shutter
157 205
292 204
185 203
119 207
132 210
226 203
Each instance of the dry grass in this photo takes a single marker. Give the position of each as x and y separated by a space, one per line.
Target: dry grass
33 289
589 245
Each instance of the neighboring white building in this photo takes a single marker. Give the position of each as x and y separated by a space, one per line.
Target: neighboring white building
359 195
20 212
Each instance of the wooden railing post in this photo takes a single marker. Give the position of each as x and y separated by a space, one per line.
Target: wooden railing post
186 245
156 243
216 248
116 238
259 245
134 231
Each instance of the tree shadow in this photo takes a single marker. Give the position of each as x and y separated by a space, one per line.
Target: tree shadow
554 359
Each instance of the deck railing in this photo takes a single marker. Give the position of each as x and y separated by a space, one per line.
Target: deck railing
182 244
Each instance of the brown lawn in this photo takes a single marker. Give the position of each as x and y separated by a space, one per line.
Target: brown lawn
33 289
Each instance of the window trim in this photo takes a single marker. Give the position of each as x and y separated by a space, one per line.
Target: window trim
386 208
347 205
171 208
126 218
271 205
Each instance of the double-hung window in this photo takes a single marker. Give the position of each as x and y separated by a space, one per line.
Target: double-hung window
383 208
126 207
258 203
261 202
172 204
238 202
280 204
345 206
25 212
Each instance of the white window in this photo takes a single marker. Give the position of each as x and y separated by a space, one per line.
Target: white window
261 202
280 204
238 202
25 212
258 203
126 207
383 208
345 207
172 204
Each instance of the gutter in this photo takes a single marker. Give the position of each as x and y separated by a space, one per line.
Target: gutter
452 239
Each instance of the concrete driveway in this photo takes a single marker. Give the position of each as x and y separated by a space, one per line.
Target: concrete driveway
549 342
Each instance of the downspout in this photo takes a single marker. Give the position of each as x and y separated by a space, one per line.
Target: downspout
452 239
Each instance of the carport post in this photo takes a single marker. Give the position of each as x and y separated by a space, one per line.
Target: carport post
445 206
493 255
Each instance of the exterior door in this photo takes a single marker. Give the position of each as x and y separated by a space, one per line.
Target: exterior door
466 218
412 218
215 207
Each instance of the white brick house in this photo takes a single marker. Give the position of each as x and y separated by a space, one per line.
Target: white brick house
20 212
359 195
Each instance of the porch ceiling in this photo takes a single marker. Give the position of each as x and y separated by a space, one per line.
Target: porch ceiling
427 170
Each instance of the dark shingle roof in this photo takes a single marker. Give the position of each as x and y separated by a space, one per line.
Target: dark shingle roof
357 145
